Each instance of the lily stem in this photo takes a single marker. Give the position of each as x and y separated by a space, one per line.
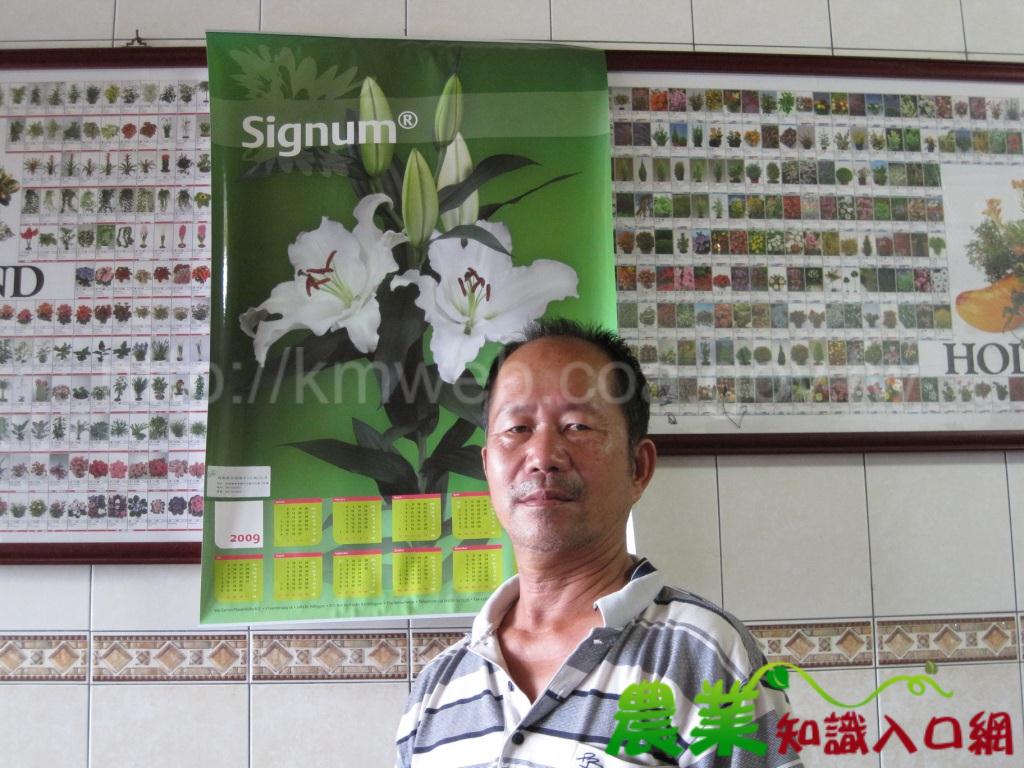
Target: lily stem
421 450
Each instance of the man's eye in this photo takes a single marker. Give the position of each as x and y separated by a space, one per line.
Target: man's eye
517 429
577 427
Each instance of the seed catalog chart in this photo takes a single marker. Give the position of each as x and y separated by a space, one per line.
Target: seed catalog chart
802 254
104 304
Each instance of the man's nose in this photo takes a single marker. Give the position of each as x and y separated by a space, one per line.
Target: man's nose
548 451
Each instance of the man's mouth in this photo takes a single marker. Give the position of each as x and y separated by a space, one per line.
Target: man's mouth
538 497
531 494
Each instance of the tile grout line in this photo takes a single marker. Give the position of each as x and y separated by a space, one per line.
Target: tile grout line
871 573
831 37
693 42
1013 569
718 509
963 31
248 678
408 653
88 670
876 667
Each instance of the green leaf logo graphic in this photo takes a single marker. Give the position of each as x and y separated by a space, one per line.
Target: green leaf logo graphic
930 667
777 678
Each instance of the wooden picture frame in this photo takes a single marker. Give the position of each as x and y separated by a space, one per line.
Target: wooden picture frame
655 134
62 70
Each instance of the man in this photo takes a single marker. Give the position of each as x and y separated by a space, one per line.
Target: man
539 681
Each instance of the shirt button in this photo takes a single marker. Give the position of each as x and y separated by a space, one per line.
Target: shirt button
518 738
510 686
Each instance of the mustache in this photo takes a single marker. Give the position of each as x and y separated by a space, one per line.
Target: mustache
570 488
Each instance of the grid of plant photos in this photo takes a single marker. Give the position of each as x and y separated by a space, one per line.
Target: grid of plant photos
786 251
103 383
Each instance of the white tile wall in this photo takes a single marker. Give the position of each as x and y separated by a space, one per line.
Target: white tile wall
845 685
91 21
663 21
168 726
788 23
676 524
42 597
794 536
940 533
348 18
923 25
977 688
342 725
138 598
1015 492
479 19
184 18
45 725
994 25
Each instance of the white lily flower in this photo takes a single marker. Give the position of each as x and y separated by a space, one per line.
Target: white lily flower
337 273
481 296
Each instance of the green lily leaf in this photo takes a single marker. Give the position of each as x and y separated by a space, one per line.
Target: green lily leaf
473 232
456 436
395 433
405 326
329 349
464 399
392 473
930 667
489 168
486 211
307 162
435 473
465 461
278 76
414 401
368 437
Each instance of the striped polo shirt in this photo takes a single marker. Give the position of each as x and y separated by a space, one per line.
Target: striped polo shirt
465 711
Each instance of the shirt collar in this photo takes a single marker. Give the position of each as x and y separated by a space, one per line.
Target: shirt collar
617 609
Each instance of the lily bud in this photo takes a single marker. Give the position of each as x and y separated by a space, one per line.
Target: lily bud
448 117
455 168
419 199
373 105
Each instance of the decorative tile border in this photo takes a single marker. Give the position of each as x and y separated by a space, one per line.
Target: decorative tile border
41 658
427 645
330 656
174 658
947 639
817 644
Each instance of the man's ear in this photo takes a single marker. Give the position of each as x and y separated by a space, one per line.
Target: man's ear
645 456
483 458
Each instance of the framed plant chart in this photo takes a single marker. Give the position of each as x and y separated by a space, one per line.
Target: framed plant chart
821 254
104 304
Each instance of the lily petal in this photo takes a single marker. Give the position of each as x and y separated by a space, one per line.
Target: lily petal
480 296
337 274
453 350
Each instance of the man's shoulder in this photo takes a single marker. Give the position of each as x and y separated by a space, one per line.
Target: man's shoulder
677 601
712 629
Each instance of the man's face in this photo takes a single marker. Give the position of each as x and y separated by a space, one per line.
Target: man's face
557 458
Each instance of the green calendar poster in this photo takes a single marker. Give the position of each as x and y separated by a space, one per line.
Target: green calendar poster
391 211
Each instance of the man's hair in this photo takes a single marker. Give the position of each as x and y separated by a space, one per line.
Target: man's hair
630 383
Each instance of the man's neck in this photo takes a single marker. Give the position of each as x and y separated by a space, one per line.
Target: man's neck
554 597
